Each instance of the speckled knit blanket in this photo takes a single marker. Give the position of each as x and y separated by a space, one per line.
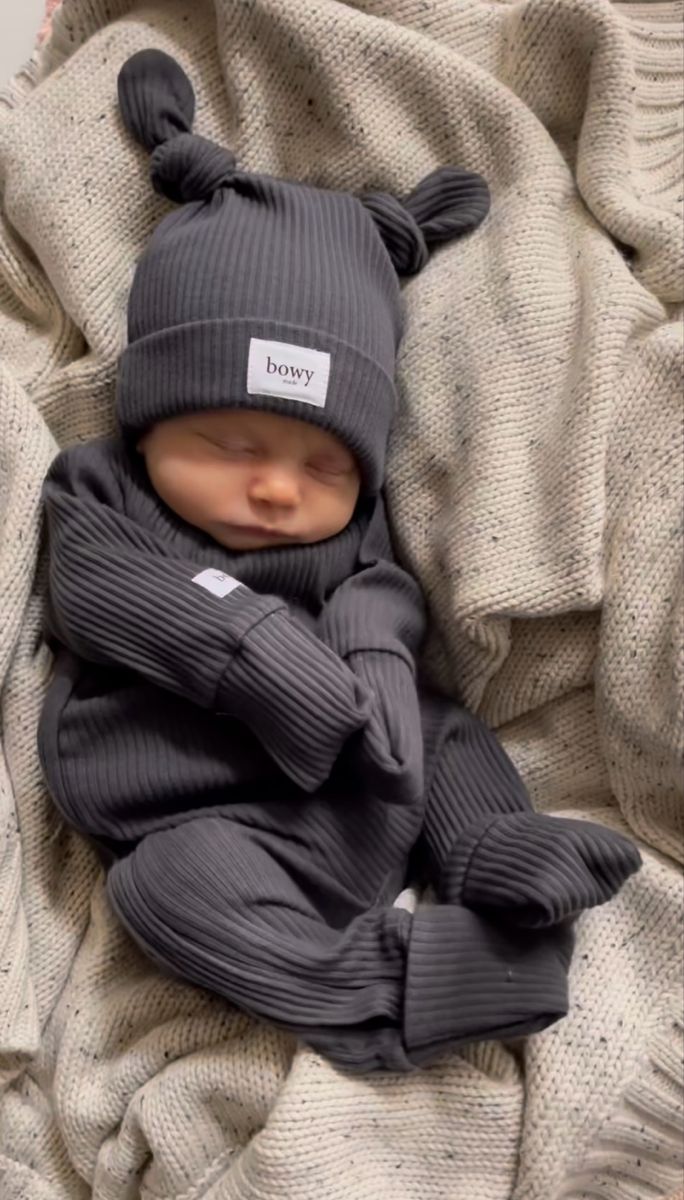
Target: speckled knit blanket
535 486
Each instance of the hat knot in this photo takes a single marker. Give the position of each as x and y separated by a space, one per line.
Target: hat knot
190 167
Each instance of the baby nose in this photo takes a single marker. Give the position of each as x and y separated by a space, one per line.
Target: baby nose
279 488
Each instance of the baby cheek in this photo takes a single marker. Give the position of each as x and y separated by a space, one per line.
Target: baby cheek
211 488
185 488
335 512
175 483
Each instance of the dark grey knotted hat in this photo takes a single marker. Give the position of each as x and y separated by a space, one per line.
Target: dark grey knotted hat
266 293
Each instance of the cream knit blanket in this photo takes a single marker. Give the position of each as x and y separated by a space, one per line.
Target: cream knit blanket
536 487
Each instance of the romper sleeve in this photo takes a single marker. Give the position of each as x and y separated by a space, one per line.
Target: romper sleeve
119 594
375 621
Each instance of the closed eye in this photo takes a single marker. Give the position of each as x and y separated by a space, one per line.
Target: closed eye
230 446
334 468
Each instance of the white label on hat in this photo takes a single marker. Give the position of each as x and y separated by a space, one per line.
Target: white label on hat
216 581
290 372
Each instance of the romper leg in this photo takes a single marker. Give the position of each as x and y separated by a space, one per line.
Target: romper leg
377 988
469 781
483 845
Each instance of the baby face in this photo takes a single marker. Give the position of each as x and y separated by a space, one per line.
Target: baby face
252 479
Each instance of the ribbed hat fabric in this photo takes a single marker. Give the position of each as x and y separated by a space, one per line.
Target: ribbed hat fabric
266 293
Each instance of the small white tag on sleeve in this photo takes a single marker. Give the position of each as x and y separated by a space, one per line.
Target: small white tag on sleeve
216 582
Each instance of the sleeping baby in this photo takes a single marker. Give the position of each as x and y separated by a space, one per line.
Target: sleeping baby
237 719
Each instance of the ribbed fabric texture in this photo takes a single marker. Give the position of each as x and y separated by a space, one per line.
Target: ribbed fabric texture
391 750
448 202
464 970
297 696
122 599
538 870
469 752
212 903
447 198
123 595
204 364
143 643
258 257
252 257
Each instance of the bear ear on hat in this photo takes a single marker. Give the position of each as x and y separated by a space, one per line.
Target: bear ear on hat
399 231
446 204
157 104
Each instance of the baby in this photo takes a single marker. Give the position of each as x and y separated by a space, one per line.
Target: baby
236 718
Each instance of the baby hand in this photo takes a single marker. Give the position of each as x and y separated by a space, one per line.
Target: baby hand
390 754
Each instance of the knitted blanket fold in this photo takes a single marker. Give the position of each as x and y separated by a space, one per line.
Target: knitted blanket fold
535 484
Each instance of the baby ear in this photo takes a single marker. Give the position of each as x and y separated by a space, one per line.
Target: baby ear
448 203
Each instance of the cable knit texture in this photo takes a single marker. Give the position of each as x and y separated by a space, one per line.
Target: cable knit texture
535 482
